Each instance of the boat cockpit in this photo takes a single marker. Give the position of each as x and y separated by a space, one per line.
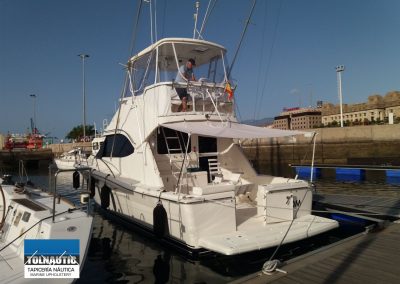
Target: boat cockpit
196 164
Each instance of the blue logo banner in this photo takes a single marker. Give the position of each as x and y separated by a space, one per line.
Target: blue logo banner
51 247
54 258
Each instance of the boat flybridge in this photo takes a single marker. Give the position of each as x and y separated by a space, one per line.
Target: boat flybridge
183 175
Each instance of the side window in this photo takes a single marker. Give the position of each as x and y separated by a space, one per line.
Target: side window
122 147
96 146
143 72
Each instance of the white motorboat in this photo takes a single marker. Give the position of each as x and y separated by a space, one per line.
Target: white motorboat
29 214
71 159
183 175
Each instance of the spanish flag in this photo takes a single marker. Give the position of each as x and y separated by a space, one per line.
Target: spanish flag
229 90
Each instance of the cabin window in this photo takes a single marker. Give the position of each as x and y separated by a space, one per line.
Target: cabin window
143 72
97 145
209 66
213 71
173 140
122 147
166 64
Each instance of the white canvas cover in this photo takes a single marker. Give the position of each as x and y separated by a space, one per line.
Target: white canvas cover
228 129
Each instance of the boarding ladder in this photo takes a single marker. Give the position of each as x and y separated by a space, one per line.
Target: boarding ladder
178 166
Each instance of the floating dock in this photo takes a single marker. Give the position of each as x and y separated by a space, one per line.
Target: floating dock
346 172
368 257
379 206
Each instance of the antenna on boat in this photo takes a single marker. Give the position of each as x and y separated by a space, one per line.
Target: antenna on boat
151 20
196 15
135 29
155 20
208 13
241 37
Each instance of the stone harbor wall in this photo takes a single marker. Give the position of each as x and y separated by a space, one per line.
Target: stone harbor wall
358 145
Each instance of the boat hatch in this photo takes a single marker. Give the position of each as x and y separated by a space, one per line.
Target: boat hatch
29 204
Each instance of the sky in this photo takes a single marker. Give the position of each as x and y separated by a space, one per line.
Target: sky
287 59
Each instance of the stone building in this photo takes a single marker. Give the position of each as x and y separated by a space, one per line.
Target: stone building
377 108
298 118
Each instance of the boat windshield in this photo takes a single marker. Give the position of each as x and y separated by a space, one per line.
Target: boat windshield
162 64
142 73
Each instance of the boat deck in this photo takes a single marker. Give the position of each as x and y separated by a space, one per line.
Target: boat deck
255 236
364 258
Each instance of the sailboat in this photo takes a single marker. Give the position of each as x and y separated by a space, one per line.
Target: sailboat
183 175
71 159
77 157
30 215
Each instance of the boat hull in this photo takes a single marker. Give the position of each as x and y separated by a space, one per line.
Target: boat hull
200 223
65 164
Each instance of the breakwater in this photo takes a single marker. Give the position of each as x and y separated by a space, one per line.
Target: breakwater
37 157
31 158
357 145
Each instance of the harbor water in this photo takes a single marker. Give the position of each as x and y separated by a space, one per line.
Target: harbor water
119 254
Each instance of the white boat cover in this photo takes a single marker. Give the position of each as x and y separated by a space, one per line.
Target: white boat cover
229 129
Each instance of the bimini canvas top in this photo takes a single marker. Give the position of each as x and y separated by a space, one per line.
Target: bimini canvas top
198 49
228 129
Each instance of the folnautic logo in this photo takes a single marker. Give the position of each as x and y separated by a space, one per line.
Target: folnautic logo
51 258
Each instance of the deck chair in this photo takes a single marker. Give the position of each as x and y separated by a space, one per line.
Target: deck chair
214 170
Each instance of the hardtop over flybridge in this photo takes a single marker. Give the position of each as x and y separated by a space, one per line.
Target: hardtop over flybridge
182 175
